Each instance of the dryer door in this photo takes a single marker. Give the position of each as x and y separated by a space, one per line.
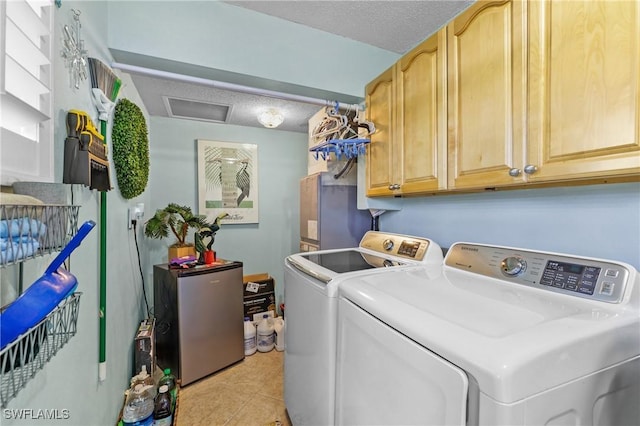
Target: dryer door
384 378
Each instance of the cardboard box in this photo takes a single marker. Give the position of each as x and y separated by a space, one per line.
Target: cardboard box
144 346
259 296
258 284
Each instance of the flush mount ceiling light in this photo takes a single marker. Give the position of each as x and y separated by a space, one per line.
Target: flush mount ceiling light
270 118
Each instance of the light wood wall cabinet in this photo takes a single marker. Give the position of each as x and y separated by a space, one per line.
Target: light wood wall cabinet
486 95
537 92
407 154
584 90
380 101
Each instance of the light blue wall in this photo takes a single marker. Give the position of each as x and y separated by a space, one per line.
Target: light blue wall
601 221
220 36
70 379
596 221
282 158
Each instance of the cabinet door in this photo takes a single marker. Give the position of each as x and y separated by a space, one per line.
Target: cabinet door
486 95
380 102
422 116
584 89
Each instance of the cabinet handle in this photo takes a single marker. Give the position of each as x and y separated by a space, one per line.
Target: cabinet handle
394 186
514 172
530 169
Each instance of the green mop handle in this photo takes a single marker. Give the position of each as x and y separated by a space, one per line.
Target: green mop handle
102 367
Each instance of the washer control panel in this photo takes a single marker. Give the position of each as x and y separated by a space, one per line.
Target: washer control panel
402 246
513 266
583 277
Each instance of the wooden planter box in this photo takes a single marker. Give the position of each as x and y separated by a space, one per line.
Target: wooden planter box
181 251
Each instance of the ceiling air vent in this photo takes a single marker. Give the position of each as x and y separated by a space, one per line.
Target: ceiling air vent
196 110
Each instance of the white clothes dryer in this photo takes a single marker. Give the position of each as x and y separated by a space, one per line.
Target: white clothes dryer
498 336
311 282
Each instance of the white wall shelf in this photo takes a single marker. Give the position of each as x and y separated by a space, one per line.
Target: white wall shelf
18 115
19 82
26 98
24 50
31 16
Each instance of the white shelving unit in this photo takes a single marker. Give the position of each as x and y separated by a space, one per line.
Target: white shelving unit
26 85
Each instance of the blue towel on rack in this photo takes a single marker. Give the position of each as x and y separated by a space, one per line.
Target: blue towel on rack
17 248
6 243
20 227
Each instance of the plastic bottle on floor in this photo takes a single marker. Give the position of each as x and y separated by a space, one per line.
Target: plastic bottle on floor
138 408
169 380
163 411
265 335
145 379
250 344
278 326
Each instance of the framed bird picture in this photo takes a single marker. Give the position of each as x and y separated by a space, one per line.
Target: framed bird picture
228 181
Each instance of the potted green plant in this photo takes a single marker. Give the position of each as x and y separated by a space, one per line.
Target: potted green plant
177 219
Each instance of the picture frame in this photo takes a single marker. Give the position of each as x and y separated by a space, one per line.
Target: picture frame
228 181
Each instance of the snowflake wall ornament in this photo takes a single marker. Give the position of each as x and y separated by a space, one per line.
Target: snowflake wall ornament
73 51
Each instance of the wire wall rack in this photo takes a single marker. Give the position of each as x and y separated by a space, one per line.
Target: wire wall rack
30 231
23 358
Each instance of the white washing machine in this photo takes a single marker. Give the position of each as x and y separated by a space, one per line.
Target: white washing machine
498 336
311 282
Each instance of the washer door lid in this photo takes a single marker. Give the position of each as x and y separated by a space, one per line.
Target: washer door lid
385 378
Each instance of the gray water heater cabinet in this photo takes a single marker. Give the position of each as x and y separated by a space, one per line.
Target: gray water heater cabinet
329 215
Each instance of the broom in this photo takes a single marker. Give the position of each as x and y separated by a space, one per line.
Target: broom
103 78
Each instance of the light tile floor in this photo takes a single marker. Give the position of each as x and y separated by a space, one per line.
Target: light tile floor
247 393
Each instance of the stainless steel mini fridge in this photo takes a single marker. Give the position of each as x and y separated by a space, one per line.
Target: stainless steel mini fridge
199 319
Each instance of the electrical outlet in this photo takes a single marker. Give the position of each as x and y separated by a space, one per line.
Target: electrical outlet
130 218
135 213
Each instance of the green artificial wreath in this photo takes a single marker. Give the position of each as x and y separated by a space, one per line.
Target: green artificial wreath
130 148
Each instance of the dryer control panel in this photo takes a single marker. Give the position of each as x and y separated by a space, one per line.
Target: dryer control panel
402 246
595 279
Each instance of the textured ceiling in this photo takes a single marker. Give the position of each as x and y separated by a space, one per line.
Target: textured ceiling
244 108
390 25
396 26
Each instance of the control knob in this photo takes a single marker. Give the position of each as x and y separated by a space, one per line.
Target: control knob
513 266
387 244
